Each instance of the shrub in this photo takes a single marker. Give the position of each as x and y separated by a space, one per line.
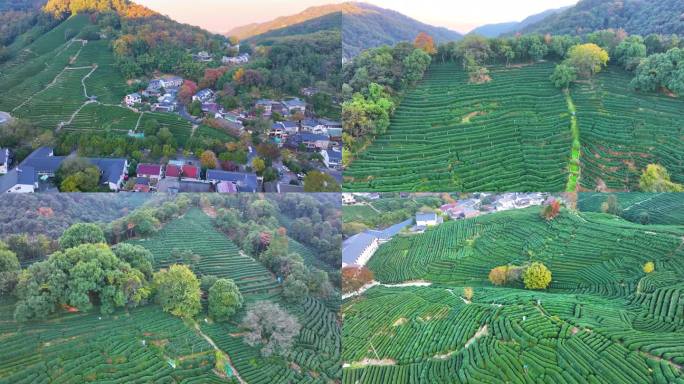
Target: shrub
649 267
468 293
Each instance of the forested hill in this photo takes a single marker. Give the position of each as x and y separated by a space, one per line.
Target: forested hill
331 23
300 20
367 26
641 17
495 30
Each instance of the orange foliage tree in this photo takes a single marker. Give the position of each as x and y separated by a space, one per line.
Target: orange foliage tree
551 210
426 43
187 90
355 277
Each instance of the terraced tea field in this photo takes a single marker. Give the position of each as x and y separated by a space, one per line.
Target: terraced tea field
514 134
133 347
140 345
602 320
644 208
73 85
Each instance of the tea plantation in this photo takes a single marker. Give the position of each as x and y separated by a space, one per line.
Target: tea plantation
602 320
142 345
644 208
514 134
73 85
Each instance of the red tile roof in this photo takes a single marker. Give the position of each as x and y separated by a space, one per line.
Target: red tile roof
173 170
148 169
191 171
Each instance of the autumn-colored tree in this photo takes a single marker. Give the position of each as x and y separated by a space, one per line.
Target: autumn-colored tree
208 159
187 90
498 275
426 43
655 178
550 210
238 75
649 267
268 151
588 59
211 76
537 276
316 181
468 293
355 277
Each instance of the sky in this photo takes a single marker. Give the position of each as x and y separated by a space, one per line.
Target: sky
220 16
464 15
460 15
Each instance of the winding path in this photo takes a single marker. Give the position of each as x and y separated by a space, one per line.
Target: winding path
230 362
574 163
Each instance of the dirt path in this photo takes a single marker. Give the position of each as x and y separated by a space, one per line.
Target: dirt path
83 79
228 360
574 163
73 116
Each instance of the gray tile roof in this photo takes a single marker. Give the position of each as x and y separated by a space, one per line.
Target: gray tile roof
246 182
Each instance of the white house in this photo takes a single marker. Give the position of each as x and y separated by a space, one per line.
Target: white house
202 56
132 99
19 181
203 95
241 59
295 105
348 198
427 219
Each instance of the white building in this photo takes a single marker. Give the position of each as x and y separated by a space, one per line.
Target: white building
132 99
348 198
427 219
5 160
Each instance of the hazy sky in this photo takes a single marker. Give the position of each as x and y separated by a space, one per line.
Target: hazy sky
464 15
459 15
223 15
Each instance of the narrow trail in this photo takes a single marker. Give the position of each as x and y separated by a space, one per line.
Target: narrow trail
228 360
137 124
641 202
574 163
73 116
83 79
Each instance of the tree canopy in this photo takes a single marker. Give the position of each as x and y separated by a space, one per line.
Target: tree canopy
178 291
267 325
224 299
537 276
81 233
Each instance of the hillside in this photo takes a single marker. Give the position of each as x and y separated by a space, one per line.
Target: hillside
368 26
603 319
305 18
641 17
328 23
495 30
85 345
513 134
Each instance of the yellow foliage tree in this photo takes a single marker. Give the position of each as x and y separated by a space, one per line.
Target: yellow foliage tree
649 267
537 276
588 59
426 43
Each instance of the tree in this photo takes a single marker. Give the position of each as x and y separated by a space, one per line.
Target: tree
551 210
224 299
79 277
468 293
498 275
537 276
649 267
630 52
270 326
78 175
137 256
661 70
187 90
178 291
588 59
258 164
655 178
425 43
294 289
81 233
316 181
355 277
563 75
208 159
9 271
611 206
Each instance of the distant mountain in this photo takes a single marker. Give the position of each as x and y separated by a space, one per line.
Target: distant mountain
328 23
635 16
366 26
302 18
495 30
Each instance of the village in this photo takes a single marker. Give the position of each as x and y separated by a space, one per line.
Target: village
359 248
312 143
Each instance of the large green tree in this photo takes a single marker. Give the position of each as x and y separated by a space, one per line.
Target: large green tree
178 291
81 233
224 299
9 270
